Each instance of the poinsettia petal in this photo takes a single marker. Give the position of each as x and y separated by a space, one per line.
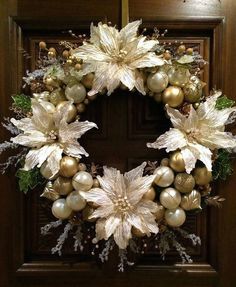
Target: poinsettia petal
122 234
147 60
33 139
75 149
204 154
190 158
129 32
135 173
111 224
176 117
171 140
97 195
53 160
103 211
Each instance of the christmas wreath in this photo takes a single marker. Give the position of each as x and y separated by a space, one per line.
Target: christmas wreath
151 200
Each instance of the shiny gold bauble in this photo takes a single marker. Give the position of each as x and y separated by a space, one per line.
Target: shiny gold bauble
150 194
75 92
63 185
170 198
75 201
173 96
191 200
159 214
82 180
49 107
177 161
181 49
164 176
68 166
46 171
175 217
157 82
57 96
51 54
192 92
81 107
178 76
87 80
87 212
42 45
50 81
184 182
189 51
136 232
165 162
72 111
82 167
202 176
96 183
60 209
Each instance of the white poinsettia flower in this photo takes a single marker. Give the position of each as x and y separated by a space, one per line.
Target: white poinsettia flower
121 205
115 57
49 135
198 133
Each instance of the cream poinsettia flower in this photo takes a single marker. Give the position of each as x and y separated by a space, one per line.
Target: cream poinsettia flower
49 135
121 205
115 57
198 133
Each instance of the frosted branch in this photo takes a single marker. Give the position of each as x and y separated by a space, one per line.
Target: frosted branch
46 228
123 260
103 256
61 239
78 239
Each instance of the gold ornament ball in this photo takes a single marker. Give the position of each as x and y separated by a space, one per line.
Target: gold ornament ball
202 176
75 201
82 167
181 49
60 209
51 54
191 201
87 212
87 80
150 194
42 45
159 214
46 171
96 183
177 161
65 54
184 182
175 217
136 232
157 82
81 107
75 92
49 107
173 96
82 180
192 92
72 111
189 51
52 82
57 96
170 198
178 76
63 185
68 166
164 176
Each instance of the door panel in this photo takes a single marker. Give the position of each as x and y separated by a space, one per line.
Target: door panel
126 122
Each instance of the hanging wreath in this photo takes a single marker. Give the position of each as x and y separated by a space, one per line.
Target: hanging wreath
151 200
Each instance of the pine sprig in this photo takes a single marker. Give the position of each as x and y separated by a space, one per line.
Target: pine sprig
29 179
22 102
222 166
223 103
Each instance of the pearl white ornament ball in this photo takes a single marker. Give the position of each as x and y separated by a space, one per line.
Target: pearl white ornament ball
164 176
60 209
76 93
175 217
82 180
75 201
157 82
170 198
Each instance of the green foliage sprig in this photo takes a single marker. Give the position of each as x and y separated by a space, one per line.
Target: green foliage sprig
223 103
222 166
29 179
22 103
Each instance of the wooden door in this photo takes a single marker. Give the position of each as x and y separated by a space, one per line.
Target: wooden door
126 122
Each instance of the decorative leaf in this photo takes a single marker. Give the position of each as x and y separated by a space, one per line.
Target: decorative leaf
223 103
49 192
22 102
29 179
191 200
222 166
186 59
214 200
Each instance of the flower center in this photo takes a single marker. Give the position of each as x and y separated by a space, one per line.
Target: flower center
192 134
122 204
52 135
121 56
